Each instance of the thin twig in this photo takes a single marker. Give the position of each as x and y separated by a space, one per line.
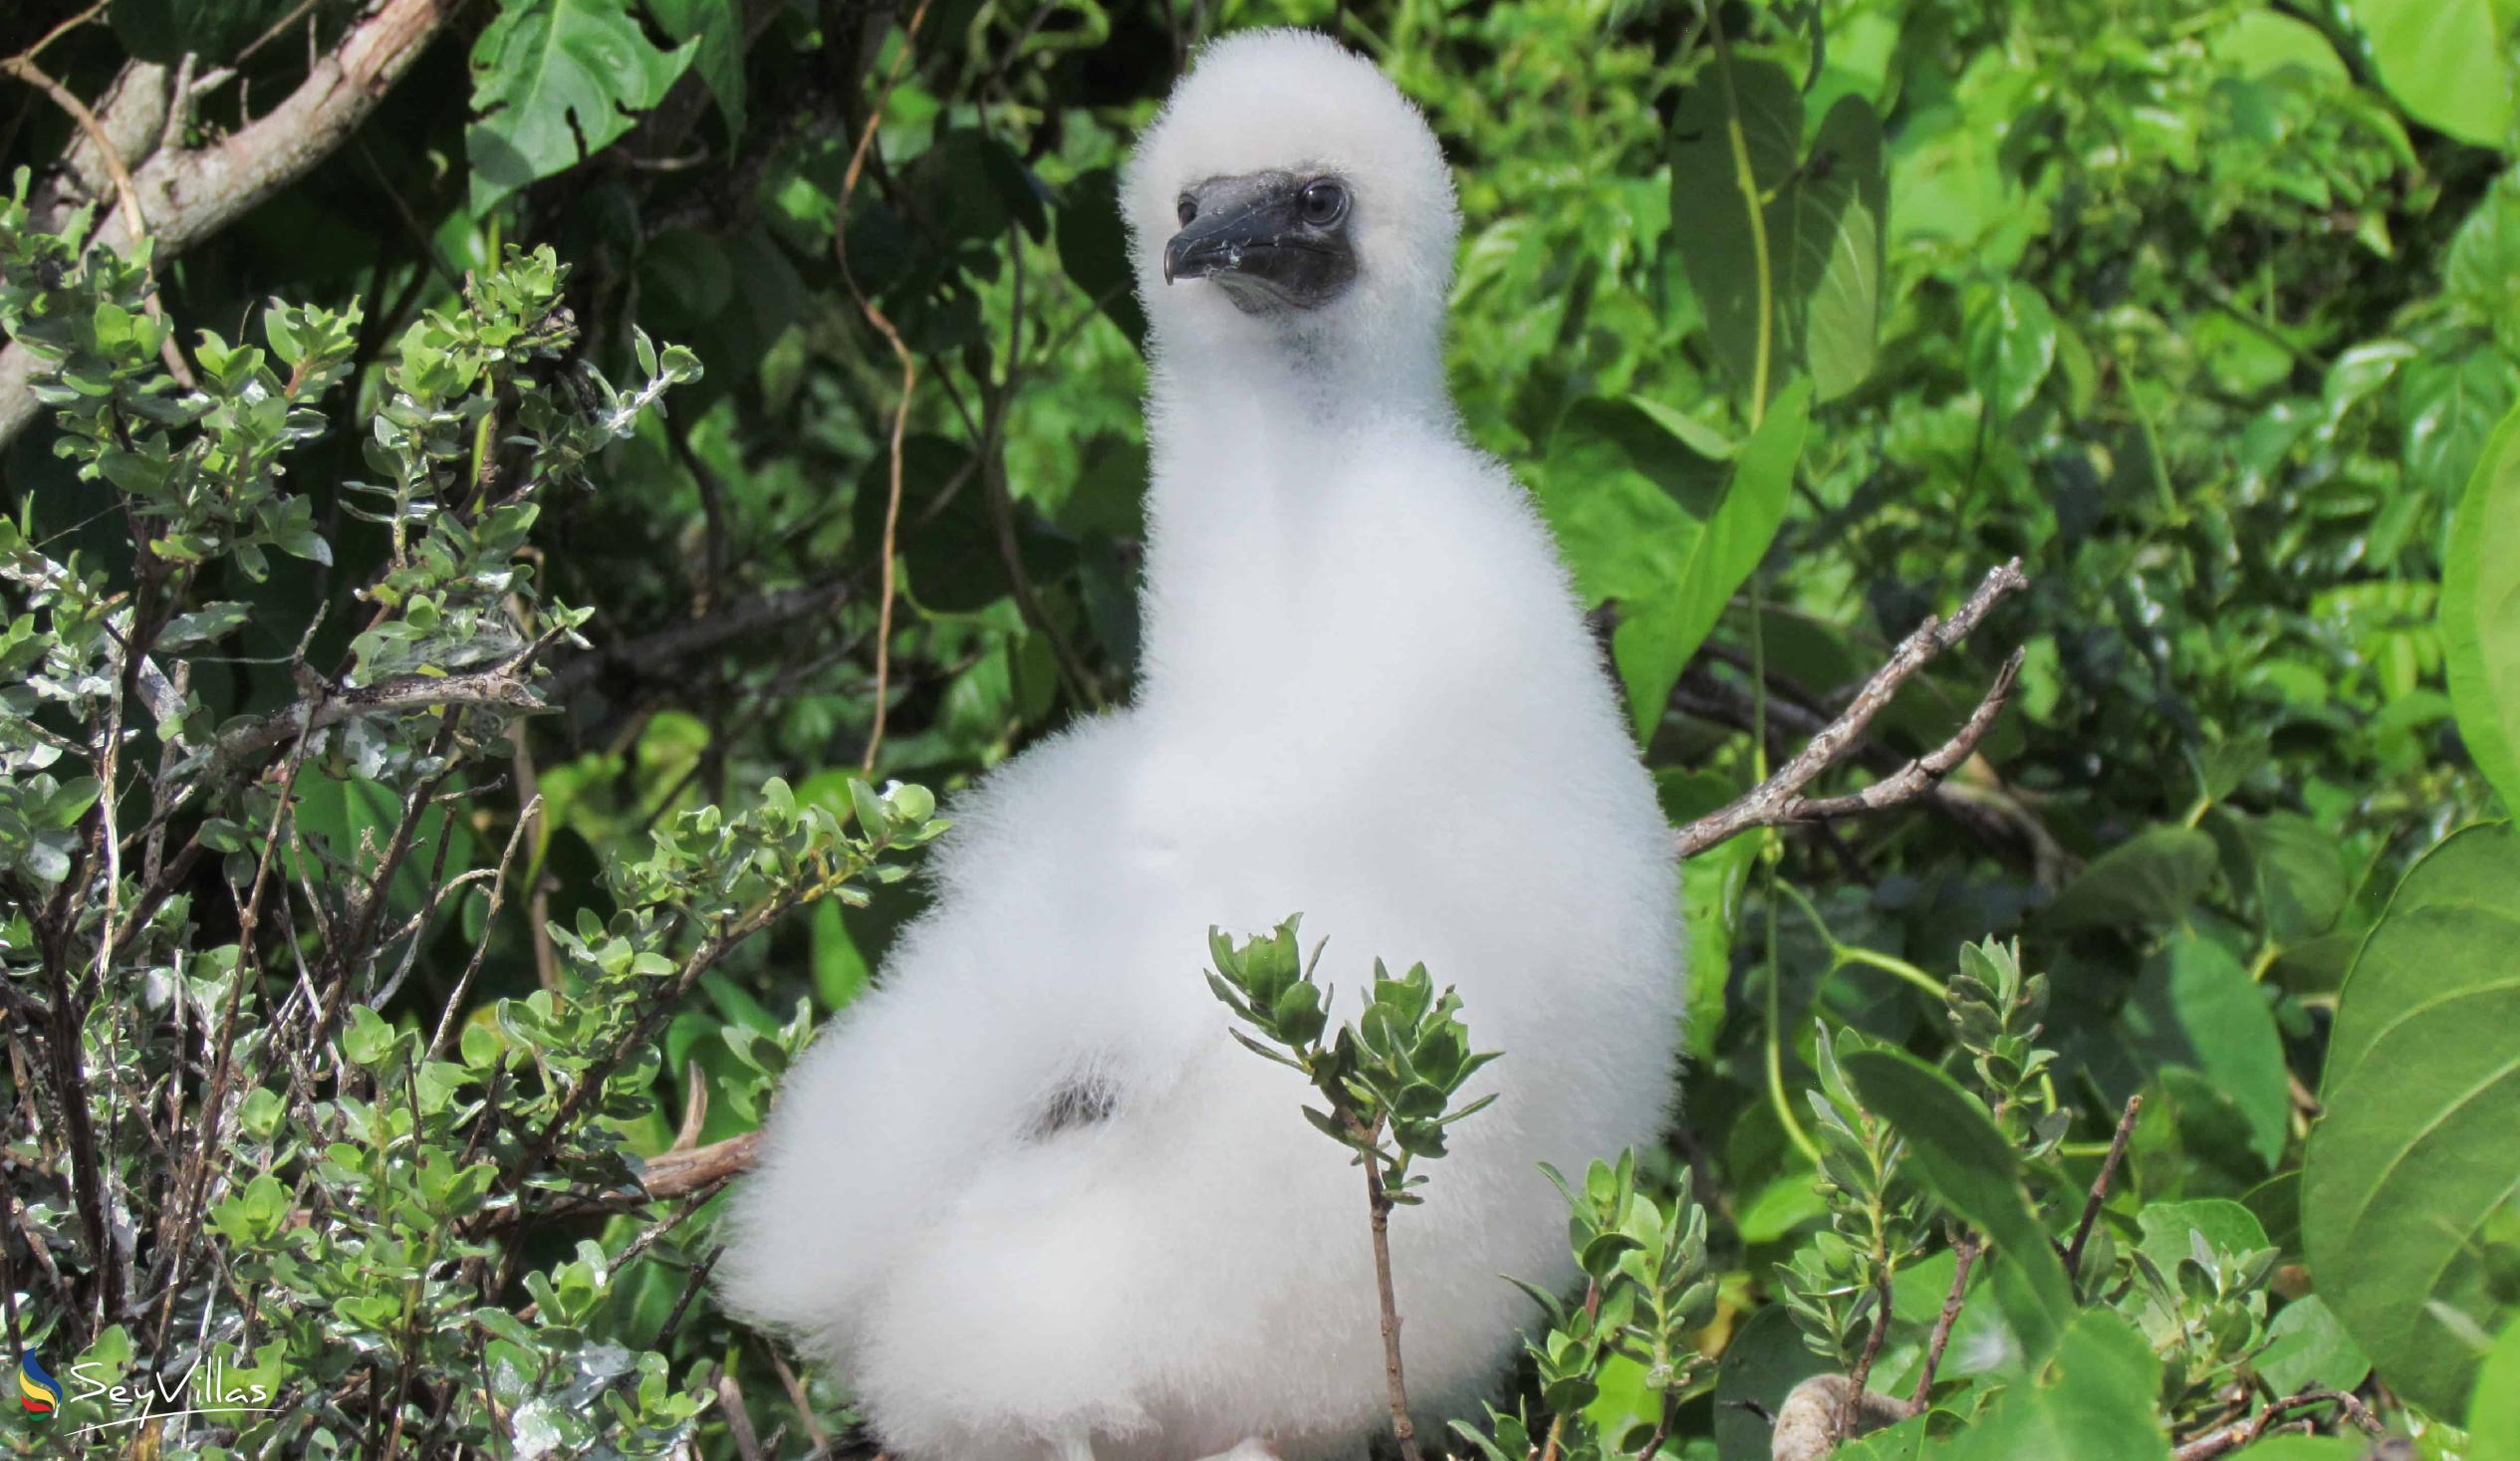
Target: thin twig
1379 1202
1779 800
1964 1250
1851 1404
2100 1189
2233 1437
489 921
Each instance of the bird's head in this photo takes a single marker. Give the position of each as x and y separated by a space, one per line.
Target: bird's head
1288 189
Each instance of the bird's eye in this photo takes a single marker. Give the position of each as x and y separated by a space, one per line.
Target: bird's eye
1188 208
1325 203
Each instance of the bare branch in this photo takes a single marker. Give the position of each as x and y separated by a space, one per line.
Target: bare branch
1779 800
1964 1253
2100 1188
189 194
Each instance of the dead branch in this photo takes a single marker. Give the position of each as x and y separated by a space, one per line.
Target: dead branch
189 194
1779 800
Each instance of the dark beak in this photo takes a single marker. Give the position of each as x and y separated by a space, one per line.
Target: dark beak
1250 237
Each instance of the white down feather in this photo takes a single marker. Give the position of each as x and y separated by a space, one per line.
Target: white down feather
1369 696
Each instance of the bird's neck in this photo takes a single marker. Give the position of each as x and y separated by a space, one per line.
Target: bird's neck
1279 517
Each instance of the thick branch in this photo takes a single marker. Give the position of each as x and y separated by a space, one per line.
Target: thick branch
189 194
1779 800
681 1172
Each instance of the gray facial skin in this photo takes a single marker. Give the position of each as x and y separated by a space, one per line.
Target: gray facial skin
1271 240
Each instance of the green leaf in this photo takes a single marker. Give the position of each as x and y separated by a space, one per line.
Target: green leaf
2301 875
2305 1347
1094 249
1711 885
1653 643
2169 1229
2493 1417
552 76
1834 249
2155 877
2481 612
2421 1083
719 28
2011 344
2444 61
1716 245
368 1038
2095 1403
840 970
1823 219
210 623
2194 1006
2448 405
1967 1163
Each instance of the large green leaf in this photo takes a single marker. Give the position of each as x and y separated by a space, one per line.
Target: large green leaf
2095 1403
2481 612
1711 221
2423 1095
1833 248
2194 1006
2302 880
1823 217
1654 640
1967 1163
550 77
2155 877
2444 61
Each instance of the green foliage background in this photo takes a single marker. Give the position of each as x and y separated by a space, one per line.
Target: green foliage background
2206 312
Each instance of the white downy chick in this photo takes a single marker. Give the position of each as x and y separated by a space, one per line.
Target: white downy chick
1026 1195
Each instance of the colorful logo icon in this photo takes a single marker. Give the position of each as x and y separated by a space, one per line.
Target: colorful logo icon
37 1391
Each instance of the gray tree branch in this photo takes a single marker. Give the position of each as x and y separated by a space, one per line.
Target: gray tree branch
189 194
1779 800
